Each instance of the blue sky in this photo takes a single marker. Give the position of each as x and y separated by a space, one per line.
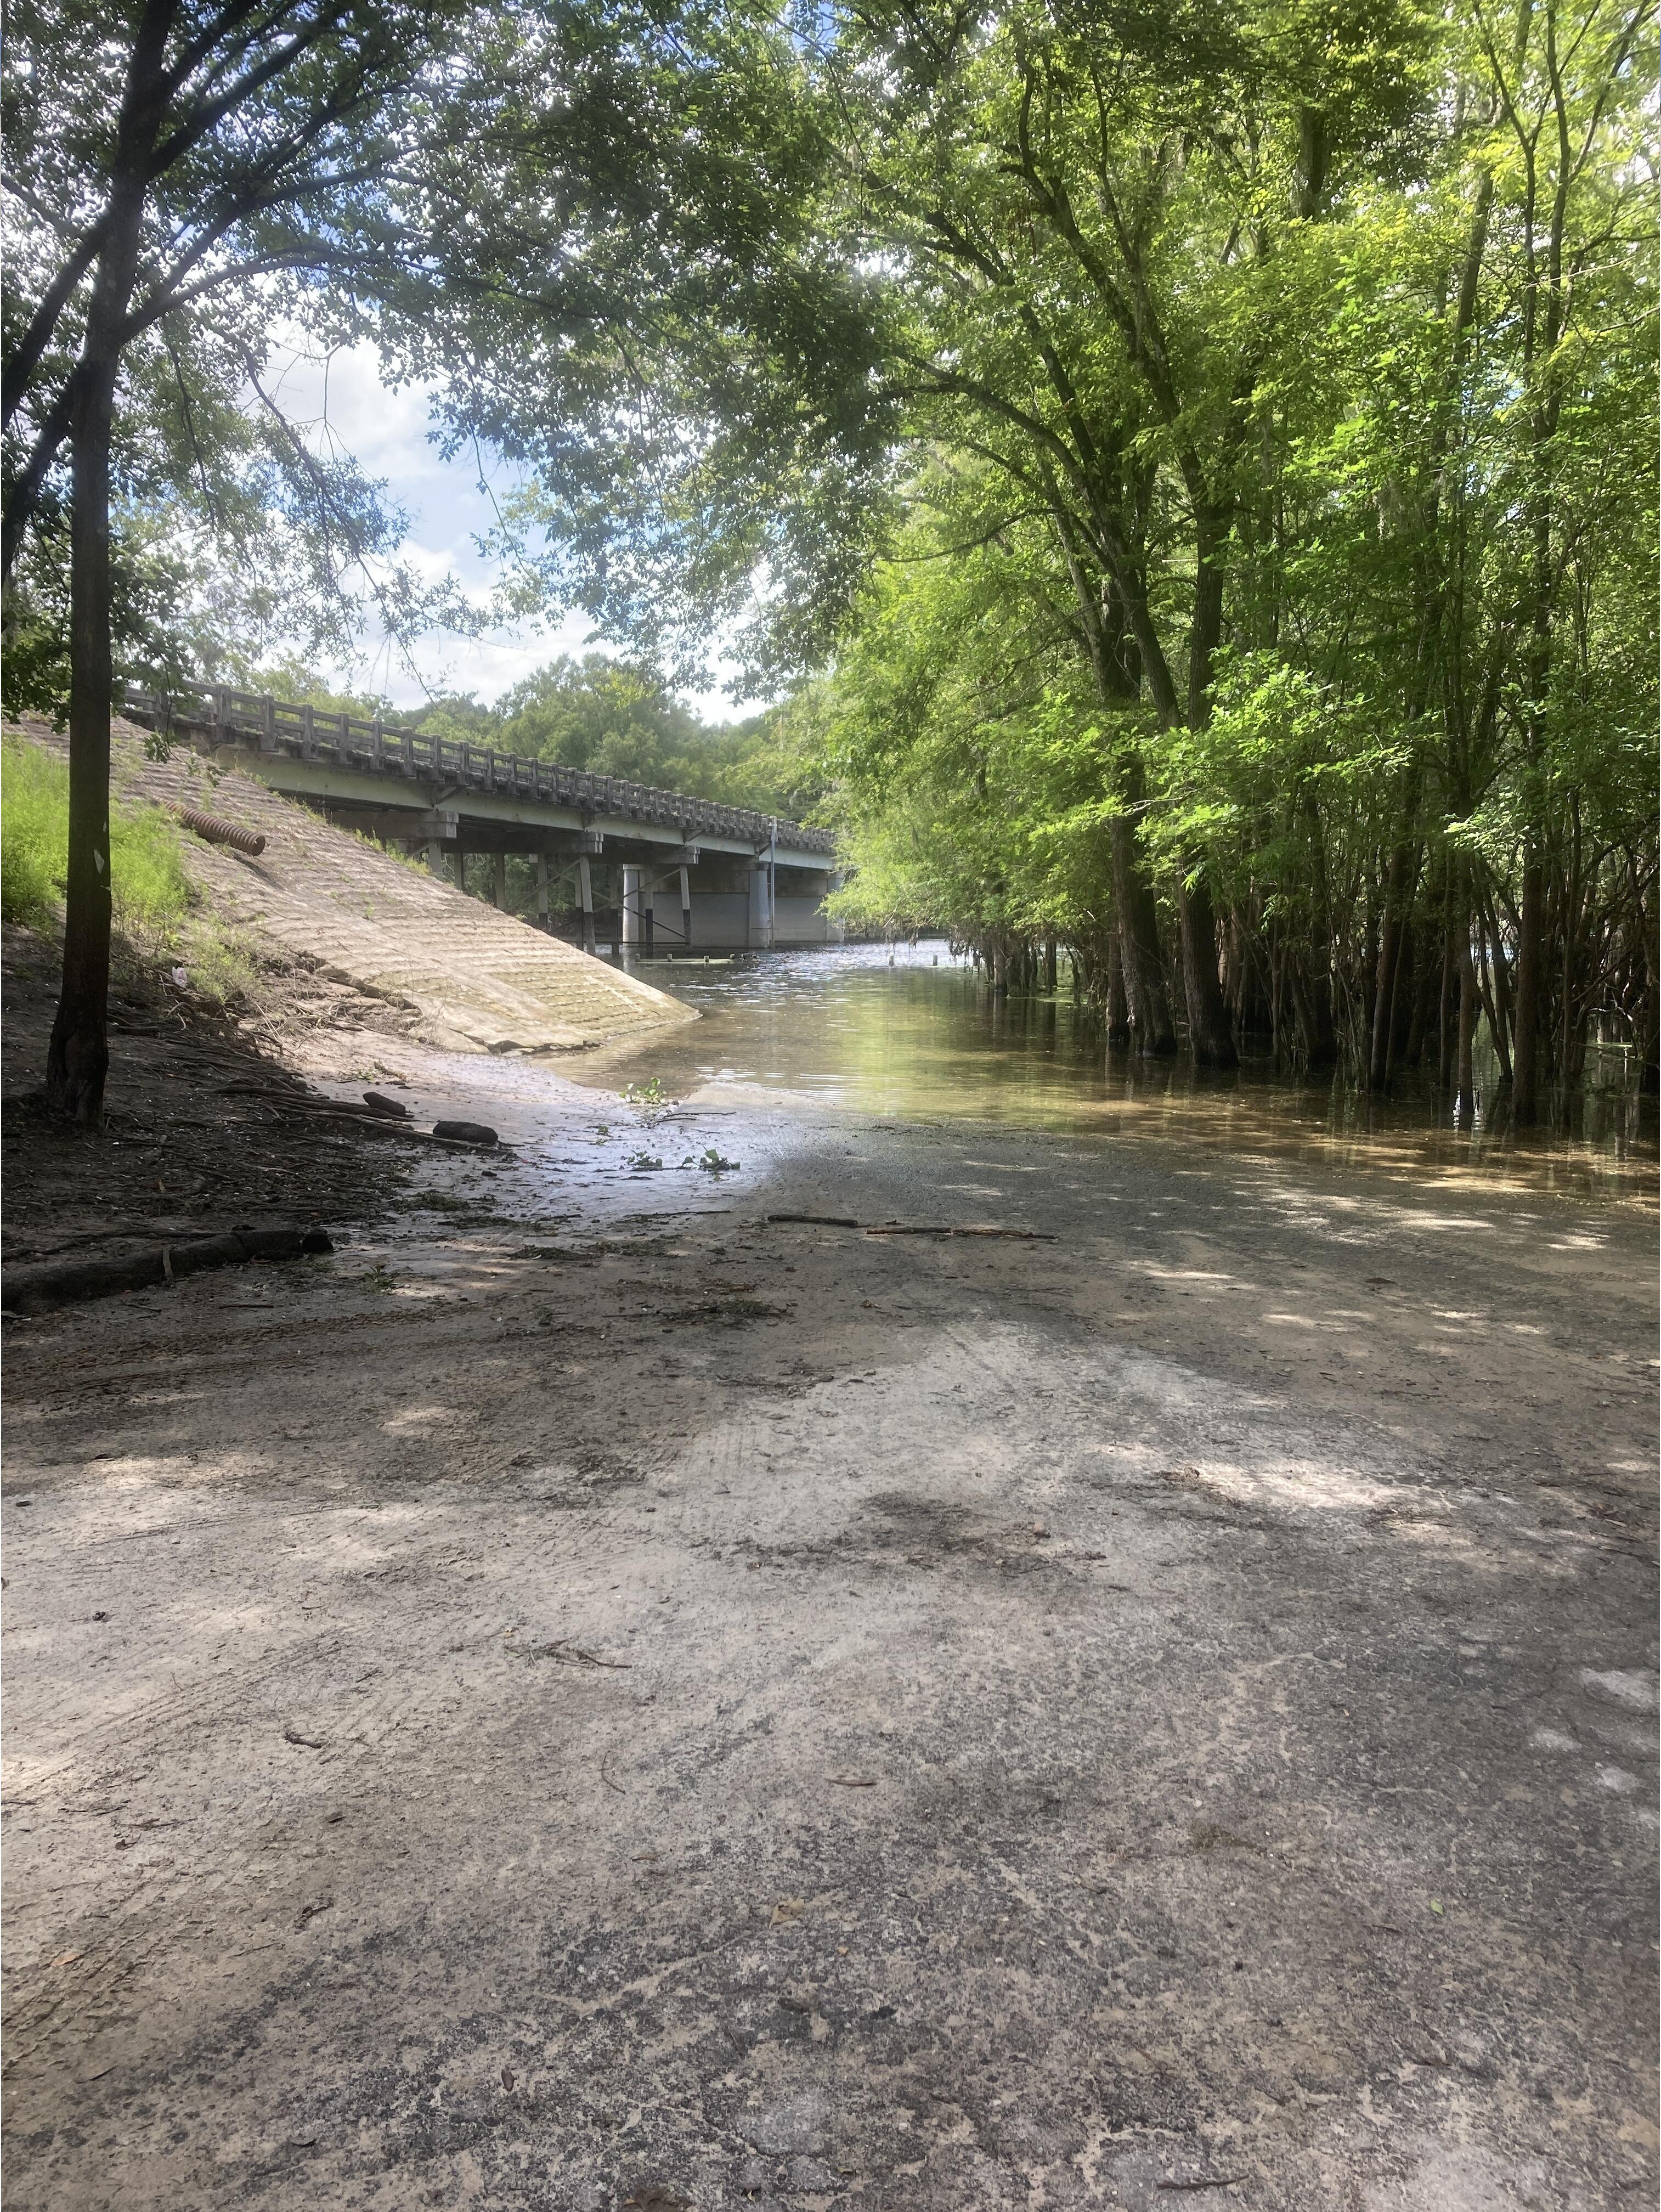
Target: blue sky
387 432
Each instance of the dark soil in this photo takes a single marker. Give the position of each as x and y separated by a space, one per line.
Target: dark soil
205 1129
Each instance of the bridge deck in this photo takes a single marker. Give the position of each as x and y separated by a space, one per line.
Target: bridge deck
349 757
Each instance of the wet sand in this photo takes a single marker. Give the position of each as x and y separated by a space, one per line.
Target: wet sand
591 1690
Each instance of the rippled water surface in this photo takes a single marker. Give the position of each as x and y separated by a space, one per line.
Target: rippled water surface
924 1040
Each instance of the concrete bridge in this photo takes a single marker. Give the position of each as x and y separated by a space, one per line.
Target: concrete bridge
674 874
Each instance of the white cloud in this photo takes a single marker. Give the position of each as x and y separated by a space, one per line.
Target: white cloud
340 403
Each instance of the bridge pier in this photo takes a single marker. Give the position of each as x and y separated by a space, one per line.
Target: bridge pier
760 905
714 904
638 917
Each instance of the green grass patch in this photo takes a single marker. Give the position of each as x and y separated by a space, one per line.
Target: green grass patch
151 891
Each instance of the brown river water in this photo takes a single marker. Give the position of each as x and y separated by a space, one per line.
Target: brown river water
923 1040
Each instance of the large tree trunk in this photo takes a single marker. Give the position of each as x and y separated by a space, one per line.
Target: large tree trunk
78 1058
1148 1010
1118 1013
1104 615
1210 1035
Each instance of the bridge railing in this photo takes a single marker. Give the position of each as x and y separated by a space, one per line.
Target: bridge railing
308 732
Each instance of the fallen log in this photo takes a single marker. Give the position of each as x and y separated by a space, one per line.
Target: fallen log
46 1283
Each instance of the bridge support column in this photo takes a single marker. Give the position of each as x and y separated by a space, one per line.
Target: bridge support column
542 891
686 909
585 893
631 916
499 883
436 857
760 906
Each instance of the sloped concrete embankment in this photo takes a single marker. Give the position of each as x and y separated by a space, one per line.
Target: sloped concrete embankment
477 980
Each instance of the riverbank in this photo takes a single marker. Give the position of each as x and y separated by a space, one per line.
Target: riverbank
209 1124
544 1707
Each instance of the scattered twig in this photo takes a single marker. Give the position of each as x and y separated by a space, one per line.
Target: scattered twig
915 1228
571 1655
936 1229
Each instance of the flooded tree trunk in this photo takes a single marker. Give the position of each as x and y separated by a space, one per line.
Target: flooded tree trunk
1402 997
1210 1036
1427 979
1445 1017
1399 884
1143 967
1384 994
1363 1045
1465 1093
1491 982
1118 1013
1525 1065
1315 981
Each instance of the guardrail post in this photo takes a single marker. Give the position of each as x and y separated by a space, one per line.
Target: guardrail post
308 741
